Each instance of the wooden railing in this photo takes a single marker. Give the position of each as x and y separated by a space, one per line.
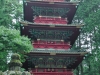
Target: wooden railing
51 45
51 20
56 0
51 72
51 0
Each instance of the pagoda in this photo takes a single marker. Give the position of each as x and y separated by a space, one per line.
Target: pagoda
49 25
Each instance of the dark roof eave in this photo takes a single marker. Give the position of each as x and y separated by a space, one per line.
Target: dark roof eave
25 23
59 53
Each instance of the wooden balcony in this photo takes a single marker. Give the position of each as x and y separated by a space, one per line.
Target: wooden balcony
51 72
56 45
51 0
50 20
56 0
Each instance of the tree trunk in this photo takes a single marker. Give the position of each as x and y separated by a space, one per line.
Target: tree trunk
77 71
81 66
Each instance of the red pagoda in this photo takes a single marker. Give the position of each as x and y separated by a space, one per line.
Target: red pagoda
48 24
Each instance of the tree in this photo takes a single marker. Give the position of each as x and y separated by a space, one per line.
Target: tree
12 42
88 13
11 12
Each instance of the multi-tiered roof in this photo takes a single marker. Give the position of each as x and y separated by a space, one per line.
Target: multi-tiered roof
48 24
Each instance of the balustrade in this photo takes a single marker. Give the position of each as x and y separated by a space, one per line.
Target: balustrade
51 72
51 20
51 45
56 0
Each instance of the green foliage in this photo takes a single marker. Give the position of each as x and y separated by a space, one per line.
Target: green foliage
89 13
11 41
10 13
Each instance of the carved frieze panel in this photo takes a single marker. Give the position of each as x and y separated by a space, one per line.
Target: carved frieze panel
52 61
51 34
49 11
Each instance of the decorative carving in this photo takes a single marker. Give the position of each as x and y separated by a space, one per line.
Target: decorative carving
50 34
52 61
49 11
